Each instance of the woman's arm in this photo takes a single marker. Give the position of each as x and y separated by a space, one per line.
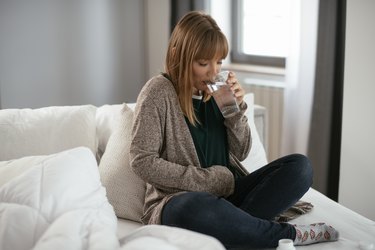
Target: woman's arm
149 144
239 134
238 130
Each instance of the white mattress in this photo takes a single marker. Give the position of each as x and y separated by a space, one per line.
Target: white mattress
353 227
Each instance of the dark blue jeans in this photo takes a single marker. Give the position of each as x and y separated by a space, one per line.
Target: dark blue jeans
245 218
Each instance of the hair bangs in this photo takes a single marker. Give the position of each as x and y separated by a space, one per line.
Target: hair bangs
213 45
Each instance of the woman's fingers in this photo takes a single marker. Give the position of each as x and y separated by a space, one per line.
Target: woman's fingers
236 87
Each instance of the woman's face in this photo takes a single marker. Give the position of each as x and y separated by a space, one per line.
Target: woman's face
204 71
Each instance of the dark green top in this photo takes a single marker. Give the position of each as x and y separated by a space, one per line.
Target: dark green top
210 135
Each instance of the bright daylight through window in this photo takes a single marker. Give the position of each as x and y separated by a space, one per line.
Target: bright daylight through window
262 31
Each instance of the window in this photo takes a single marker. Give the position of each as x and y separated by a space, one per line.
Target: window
261 31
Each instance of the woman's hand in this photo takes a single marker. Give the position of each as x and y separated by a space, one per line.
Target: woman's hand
236 87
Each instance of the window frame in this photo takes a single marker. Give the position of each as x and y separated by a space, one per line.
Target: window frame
237 56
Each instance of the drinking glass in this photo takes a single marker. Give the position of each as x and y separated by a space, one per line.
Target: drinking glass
223 95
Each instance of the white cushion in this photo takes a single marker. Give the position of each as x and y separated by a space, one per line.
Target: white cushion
107 117
125 190
25 132
131 105
257 156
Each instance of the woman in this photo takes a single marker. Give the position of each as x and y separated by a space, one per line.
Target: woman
189 154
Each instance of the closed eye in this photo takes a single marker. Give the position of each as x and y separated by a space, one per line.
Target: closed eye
205 63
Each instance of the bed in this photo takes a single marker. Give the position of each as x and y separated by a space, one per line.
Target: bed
356 231
67 163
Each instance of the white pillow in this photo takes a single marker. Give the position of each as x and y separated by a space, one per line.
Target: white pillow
257 156
131 105
125 190
107 117
25 132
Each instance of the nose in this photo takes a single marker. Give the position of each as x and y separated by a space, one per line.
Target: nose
214 70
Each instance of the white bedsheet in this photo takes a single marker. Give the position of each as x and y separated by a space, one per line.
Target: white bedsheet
158 237
353 228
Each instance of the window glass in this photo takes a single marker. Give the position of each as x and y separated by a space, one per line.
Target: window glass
261 31
265 27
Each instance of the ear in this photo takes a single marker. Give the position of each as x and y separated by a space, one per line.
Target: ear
173 51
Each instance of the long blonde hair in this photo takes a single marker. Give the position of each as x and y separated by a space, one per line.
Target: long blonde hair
196 36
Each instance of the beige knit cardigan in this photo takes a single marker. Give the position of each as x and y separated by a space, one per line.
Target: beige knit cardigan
163 154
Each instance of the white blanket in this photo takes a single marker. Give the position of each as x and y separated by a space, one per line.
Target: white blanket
58 202
55 202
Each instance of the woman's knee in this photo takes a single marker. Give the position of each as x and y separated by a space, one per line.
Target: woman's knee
302 168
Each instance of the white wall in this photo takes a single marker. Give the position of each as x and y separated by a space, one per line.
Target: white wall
357 171
71 52
157 14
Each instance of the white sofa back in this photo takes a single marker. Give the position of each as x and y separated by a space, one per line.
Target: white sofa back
27 132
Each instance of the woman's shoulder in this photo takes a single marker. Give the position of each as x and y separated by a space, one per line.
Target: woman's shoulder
156 97
158 93
158 86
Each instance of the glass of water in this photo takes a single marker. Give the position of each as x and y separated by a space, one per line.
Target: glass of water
223 95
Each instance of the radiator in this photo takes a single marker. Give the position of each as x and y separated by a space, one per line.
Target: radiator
272 98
